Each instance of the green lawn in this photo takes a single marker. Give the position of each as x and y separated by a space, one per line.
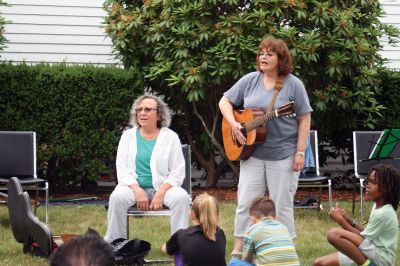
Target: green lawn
311 230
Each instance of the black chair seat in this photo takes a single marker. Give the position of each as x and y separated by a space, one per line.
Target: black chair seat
312 179
26 181
134 211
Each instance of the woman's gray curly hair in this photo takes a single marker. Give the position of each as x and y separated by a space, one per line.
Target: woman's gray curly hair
162 111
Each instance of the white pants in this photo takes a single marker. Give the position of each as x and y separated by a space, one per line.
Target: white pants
366 247
122 198
255 176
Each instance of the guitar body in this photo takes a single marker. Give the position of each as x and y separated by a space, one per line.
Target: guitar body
254 126
233 149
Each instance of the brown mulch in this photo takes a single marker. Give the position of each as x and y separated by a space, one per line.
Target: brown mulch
229 194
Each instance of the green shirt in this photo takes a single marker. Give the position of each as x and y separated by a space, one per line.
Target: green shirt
383 230
143 155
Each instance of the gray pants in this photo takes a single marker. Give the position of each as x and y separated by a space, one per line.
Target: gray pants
122 198
255 176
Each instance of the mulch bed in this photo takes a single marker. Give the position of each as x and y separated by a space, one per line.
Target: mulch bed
229 194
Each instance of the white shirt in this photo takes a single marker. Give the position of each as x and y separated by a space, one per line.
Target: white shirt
167 163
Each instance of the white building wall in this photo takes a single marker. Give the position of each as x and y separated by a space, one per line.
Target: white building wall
71 31
56 31
391 16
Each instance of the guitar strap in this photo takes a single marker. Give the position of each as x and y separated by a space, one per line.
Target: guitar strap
278 87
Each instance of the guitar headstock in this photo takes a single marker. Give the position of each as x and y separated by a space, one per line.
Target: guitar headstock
286 110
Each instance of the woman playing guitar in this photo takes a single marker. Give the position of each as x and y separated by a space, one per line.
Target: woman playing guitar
275 164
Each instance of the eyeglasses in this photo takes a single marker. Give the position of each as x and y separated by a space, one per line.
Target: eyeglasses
267 54
146 110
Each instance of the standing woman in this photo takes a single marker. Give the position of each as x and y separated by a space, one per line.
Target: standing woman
276 163
150 169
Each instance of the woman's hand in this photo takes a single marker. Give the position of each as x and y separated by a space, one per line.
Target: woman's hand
237 132
157 201
298 163
158 198
142 201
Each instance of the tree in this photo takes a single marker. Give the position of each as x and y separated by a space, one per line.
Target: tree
192 51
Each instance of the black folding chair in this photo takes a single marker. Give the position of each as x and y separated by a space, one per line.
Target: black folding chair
18 159
313 178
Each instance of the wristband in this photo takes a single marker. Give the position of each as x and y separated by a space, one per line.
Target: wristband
301 153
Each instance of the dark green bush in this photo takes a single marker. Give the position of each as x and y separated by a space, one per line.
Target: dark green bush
390 98
78 113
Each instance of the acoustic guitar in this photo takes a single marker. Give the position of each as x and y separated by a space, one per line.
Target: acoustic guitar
254 129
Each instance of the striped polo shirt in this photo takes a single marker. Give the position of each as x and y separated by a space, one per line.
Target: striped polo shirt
268 242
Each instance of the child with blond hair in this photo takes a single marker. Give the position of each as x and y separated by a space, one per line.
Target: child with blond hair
204 242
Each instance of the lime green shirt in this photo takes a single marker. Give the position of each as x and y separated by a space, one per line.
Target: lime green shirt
143 155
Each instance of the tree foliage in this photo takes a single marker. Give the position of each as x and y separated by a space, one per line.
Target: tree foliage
193 50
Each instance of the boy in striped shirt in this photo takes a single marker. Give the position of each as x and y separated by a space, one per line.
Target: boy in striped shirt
267 241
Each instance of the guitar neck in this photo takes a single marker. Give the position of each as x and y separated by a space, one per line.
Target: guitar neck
260 121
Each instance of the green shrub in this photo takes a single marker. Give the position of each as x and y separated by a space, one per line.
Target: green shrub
390 98
78 113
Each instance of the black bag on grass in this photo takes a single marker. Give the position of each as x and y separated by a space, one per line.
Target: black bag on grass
130 251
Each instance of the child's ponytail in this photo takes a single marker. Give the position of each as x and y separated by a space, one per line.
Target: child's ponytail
206 210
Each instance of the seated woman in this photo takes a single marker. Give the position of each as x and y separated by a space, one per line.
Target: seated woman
150 169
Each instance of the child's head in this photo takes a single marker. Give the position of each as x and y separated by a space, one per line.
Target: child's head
388 181
262 207
206 211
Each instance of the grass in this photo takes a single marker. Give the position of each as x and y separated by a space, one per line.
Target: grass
311 229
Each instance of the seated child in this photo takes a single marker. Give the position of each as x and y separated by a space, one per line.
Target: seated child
377 243
204 242
267 241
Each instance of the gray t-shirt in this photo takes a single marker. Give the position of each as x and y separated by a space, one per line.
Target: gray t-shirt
281 140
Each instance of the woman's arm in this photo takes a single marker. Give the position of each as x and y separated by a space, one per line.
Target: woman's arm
302 136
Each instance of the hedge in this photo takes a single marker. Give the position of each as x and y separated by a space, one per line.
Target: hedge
77 112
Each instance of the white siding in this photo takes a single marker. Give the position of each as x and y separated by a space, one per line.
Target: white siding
71 31
56 31
391 16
